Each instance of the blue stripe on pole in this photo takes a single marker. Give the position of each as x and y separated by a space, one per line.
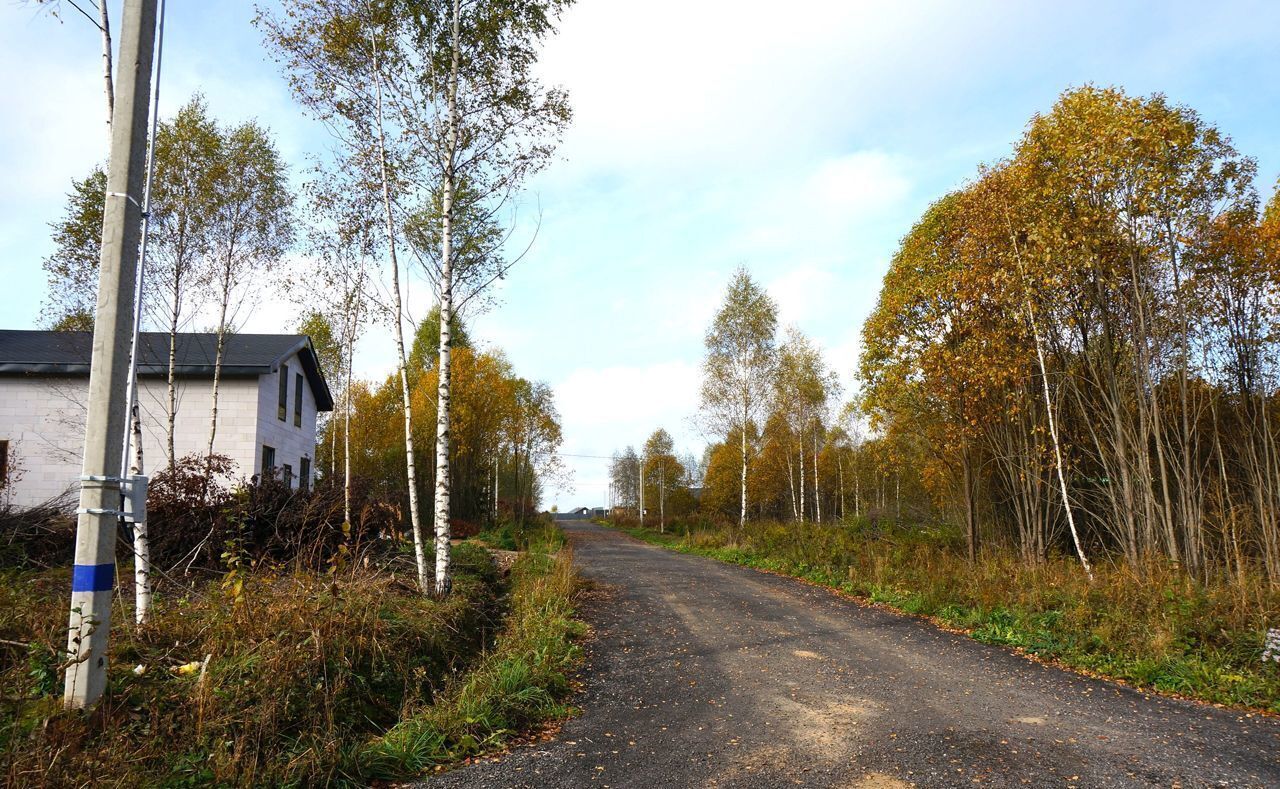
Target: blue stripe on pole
93 577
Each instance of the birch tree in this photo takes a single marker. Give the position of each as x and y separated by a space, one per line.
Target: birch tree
250 229
343 58
434 101
663 471
488 124
803 385
184 198
341 235
101 21
739 363
72 267
624 478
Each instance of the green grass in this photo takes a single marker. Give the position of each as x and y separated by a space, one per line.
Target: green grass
511 536
522 682
314 678
1158 629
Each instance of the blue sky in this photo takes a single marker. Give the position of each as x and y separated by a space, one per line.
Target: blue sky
799 140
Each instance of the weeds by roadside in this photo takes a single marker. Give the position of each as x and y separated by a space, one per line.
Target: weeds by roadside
521 682
293 677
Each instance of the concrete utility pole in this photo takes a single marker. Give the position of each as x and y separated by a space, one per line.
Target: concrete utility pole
94 573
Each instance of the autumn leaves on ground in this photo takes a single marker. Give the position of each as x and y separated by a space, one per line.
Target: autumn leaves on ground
1064 435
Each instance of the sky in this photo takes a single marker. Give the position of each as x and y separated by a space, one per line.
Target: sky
799 140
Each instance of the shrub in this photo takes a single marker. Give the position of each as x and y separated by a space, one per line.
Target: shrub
195 514
40 536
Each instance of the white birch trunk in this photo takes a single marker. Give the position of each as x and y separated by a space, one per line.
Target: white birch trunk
662 499
346 423
817 495
411 466
791 483
742 516
802 495
142 593
104 25
136 420
443 581
1048 406
840 472
642 492
857 493
1053 435
217 372
171 413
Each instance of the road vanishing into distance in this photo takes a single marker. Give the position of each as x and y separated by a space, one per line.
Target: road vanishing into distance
707 674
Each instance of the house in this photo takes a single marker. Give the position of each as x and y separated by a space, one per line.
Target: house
270 391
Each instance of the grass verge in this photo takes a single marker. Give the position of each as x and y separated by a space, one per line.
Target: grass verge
1158 629
294 679
522 682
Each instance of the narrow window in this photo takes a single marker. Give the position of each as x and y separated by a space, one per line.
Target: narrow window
283 411
297 400
268 461
288 475
4 463
304 474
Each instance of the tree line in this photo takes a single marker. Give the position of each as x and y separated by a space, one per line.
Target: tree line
506 431
656 481
1079 346
786 447
1073 352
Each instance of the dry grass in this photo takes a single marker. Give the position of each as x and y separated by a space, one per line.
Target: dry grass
303 668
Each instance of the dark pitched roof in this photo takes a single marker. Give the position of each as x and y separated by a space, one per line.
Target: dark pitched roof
245 355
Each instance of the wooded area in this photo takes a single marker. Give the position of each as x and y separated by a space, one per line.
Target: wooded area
1074 352
1084 340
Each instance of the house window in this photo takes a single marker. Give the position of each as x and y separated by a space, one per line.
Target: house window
288 475
297 400
268 461
4 463
304 474
283 411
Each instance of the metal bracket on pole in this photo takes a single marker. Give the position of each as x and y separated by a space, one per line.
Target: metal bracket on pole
133 497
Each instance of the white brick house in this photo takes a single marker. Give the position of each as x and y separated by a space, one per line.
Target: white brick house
270 392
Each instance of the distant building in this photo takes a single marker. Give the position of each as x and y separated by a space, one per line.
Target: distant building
270 392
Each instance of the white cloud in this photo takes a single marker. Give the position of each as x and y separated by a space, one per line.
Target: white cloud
608 408
864 182
804 293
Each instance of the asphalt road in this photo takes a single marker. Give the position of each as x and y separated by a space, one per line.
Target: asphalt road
707 674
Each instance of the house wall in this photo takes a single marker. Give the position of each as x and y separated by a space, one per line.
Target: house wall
291 443
42 417
237 421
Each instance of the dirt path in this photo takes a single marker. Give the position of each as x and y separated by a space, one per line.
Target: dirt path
707 674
